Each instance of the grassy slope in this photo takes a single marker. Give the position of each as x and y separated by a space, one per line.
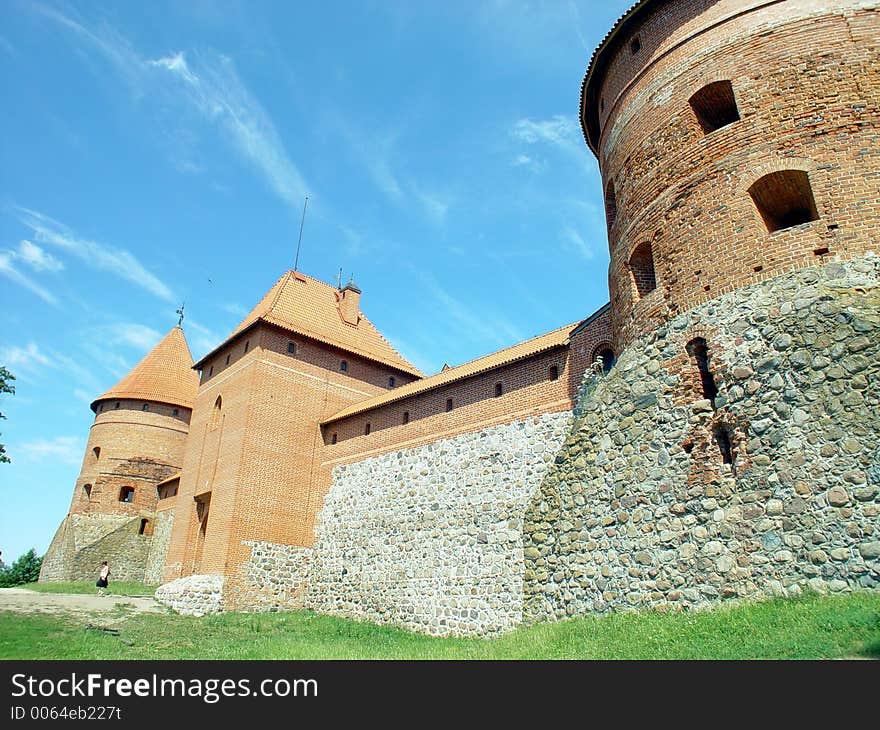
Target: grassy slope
807 628
116 588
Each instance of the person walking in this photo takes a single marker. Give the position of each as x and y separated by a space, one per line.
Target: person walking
103 578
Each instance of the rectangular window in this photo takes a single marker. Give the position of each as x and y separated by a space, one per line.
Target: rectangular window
405 417
448 404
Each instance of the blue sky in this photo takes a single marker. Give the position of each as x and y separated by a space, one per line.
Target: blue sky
155 153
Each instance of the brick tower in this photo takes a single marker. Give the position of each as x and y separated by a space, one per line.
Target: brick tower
252 480
731 150
135 444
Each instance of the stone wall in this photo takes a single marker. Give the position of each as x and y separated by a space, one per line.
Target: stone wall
430 538
641 508
159 547
275 577
193 595
82 542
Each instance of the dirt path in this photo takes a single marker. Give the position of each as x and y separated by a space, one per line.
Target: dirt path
82 606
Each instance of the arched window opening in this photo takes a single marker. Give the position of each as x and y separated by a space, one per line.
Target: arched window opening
606 355
215 414
405 417
97 452
715 106
722 438
145 407
499 390
343 366
553 373
641 266
126 494
87 488
391 382
117 404
610 204
291 348
698 350
784 199
175 413
635 45
145 528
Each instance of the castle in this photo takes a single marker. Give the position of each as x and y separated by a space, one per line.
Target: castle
710 434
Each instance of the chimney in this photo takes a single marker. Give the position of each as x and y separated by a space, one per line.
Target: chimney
350 302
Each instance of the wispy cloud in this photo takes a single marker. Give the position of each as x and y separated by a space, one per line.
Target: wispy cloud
573 240
215 89
201 339
559 130
67 449
24 359
100 256
37 258
13 274
137 336
528 162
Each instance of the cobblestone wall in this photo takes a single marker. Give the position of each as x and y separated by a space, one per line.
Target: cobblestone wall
662 496
275 577
430 538
159 547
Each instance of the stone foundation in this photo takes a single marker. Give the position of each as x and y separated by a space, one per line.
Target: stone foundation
275 578
159 547
194 595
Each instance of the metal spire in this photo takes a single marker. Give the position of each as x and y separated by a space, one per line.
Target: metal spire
299 243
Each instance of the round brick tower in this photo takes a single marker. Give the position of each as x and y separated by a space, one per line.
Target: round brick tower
731 149
135 444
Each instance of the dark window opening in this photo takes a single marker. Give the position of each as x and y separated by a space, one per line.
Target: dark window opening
97 452
246 346
227 358
343 366
145 407
405 417
391 382
823 251
715 106
448 404
211 371
126 494
688 446
499 390
784 199
334 438
168 490
698 350
175 413
100 408
722 438
87 488
641 266
608 359
291 348
635 45
554 372
146 528
368 428
117 404
602 104
215 414
610 204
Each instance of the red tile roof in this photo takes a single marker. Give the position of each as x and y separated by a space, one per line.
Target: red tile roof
309 307
165 375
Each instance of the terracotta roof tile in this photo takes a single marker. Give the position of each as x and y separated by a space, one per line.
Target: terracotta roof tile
308 307
165 375
542 343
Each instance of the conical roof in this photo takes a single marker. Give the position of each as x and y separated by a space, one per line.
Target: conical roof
165 375
309 307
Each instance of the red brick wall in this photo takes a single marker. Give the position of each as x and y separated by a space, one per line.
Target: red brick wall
805 79
137 448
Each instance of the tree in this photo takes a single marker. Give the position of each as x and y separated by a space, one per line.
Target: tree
5 387
24 570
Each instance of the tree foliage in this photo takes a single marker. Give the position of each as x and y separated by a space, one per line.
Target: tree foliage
5 387
24 570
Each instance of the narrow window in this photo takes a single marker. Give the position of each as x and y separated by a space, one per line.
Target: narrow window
174 413
145 407
247 344
635 45
87 488
784 199
343 366
215 414
715 106
448 404
100 408
722 437
641 266
126 494
499 390
602 104
291 348
391 382
117 404
554 372
334 438
699 353
211 371
145 528
97 452
405 417
610 204
607 356
367 429
227 359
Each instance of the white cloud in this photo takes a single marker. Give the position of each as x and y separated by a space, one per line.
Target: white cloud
219 95
574 241
560 130
138 336
530 163
67 449
37 258
13 274
27 358
100 256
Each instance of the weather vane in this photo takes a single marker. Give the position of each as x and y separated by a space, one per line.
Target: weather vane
180 312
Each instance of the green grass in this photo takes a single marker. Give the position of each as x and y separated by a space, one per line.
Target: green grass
115 588
811 627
